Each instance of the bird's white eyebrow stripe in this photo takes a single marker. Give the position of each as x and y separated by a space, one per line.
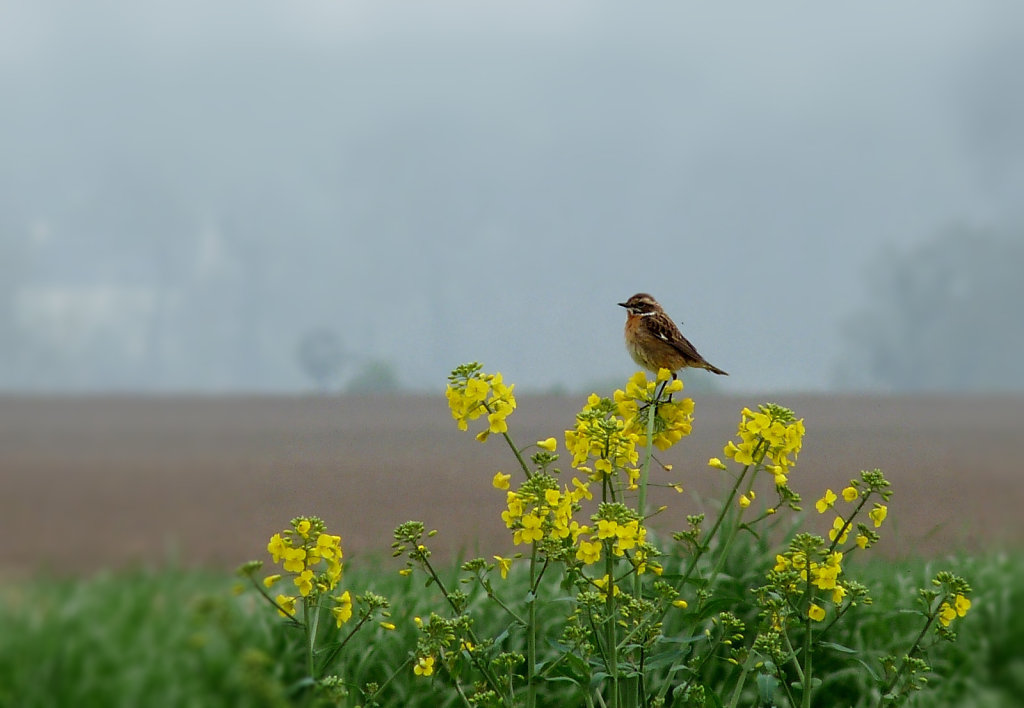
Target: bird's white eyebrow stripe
646 314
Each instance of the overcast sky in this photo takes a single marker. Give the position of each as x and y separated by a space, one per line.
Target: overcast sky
194 185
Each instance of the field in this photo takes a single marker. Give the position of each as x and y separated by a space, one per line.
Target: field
93 482
123 514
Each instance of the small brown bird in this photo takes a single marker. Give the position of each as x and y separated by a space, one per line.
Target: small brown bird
654 341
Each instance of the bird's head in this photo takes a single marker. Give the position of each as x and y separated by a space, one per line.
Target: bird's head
641 304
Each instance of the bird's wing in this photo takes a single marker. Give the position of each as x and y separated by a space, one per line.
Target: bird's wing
666 331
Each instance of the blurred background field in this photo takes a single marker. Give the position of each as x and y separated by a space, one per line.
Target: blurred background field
92 482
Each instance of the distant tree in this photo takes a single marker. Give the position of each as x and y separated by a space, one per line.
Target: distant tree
945 316
375 376
321 356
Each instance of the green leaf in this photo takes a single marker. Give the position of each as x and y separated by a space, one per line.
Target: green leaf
838 647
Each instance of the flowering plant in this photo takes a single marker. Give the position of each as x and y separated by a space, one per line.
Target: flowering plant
594 609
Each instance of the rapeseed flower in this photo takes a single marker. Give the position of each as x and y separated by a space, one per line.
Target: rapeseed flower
838 525
343 611
424 666
504 565
471 393
309 555
826 501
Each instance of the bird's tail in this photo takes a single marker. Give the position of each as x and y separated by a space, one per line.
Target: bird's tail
715 370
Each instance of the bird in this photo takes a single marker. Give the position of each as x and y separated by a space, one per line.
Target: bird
654 341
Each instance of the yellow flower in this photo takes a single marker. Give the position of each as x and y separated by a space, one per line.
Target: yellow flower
294 560
531 530
607 528
850 493
627 535
602 585
744 501
589 552
878 514
501 480
816 613
838 525
550 444
270 580
962 604
387 625
504 564
303 528
862 540
286 605
581 490
343 612
743 453
681 604
304 582
715 462
947 613
826 502
405 572
277 547
424 666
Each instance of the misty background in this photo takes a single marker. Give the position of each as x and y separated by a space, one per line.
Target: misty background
272 196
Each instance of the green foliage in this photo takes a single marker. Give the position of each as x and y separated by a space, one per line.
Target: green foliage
182 638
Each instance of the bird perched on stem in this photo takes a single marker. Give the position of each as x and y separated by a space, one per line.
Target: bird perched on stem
654 341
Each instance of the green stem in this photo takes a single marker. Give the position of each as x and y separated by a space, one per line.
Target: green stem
484 671
645 470
512 446
734 701
806 681
611 625
796 663
913 648
380 689
702 549
723 555
291 617
849 522
310 634
531 635
337 649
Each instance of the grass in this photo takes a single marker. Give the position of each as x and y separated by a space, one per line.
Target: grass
169 637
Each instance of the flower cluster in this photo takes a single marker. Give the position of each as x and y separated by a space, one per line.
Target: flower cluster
954 591
472 394
673 420
824 575
948 612
871 484
312 559
539 509
773 434
808 564
619 527
605 437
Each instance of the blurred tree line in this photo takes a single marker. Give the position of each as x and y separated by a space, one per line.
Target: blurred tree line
945 316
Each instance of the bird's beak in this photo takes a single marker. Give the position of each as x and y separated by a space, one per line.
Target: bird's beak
622 304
